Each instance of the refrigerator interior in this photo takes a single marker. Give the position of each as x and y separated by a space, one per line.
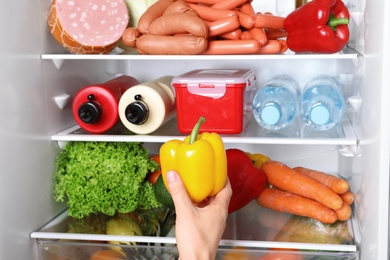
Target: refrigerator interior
39 80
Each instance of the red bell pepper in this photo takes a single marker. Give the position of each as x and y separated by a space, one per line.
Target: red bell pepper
319 26
246 180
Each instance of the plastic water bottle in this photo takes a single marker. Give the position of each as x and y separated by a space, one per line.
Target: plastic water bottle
322 105
275 104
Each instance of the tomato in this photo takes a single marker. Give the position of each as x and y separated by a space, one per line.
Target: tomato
153 176
107 254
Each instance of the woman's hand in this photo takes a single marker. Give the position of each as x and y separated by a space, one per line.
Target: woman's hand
199 227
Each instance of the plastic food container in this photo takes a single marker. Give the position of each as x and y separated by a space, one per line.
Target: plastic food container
222 96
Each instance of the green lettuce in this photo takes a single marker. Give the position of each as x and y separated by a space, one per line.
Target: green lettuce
104 177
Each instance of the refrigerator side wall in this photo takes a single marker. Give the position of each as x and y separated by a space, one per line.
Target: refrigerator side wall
26 150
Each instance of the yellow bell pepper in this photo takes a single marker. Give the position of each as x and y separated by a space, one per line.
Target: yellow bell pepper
258 159
200 160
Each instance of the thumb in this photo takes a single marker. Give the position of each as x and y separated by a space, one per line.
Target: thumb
178 190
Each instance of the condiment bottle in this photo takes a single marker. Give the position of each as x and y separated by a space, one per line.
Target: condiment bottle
95 107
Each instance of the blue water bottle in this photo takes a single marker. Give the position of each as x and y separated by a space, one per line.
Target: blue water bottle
322 105
276 103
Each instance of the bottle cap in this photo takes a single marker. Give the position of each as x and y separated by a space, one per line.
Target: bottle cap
89 112
271 114
320 115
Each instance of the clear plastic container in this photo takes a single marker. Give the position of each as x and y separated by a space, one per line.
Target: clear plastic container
322 105
275 104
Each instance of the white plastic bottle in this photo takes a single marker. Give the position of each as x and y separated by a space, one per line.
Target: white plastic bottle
145 107
275 104
322 105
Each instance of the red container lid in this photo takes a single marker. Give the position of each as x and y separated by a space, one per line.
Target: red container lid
213 82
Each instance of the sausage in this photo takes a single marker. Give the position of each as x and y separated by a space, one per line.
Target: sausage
247 21
179 23
130 35
275 34
233 35
272 47
77 33
284 45
246 35
211 14
247 8
228 4
269 21
152 13
222 26
203 2
259 35
170 45
178 6
220 47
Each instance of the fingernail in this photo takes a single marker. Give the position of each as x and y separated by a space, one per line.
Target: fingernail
171 176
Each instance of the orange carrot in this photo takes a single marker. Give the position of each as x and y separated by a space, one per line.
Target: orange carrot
348 197
259 35
269 21
284 201
288 179
344 213
338 185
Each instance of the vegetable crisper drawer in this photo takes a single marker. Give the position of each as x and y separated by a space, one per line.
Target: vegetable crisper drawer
251 233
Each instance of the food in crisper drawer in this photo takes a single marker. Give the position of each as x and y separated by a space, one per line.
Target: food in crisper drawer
308 230
89 26
304 194
104 177
195 27
288 179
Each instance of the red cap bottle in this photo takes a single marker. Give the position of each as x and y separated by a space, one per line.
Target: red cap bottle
95 107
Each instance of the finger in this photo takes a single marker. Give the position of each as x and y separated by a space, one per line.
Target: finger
178 191
225 194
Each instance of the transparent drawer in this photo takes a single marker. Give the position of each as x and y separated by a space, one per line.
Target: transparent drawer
252 233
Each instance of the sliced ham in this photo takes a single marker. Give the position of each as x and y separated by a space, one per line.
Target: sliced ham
88 26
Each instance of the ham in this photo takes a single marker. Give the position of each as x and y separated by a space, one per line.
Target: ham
88 26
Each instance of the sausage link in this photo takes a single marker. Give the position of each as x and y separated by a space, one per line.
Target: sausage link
152 13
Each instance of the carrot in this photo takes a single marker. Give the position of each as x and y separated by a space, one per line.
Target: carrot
348 197
259 35
344 213
269 21
228 4
338 185
286 178
284 201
